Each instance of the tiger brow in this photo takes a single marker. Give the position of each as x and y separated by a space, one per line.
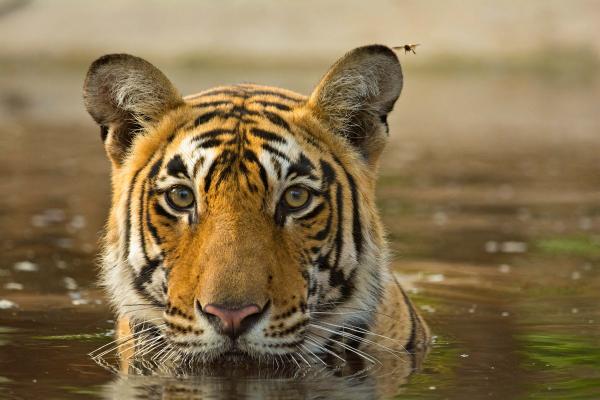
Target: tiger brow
302 167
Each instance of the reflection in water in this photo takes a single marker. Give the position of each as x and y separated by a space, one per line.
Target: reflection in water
235 379
144 364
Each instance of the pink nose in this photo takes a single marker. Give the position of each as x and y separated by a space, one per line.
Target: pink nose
233 320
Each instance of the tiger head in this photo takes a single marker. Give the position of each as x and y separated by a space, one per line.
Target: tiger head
244 215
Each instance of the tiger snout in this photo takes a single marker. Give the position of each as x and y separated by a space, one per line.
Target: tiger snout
229 320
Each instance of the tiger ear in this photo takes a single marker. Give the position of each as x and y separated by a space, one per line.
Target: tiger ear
356 95
126 94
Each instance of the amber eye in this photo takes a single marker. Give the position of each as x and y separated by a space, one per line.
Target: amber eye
180 197
296 197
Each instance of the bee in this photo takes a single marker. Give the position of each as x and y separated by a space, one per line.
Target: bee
407 48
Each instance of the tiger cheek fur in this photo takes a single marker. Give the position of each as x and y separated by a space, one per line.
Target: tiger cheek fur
229 264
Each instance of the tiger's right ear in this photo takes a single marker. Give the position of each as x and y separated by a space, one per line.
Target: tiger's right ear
126 94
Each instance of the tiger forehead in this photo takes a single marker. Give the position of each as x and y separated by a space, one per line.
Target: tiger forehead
266 96
242 130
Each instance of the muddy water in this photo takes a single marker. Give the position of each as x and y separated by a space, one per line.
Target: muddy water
490 190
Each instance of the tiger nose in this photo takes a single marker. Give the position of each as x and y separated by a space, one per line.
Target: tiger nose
234 321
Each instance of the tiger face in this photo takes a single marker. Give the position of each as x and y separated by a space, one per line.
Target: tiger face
243 218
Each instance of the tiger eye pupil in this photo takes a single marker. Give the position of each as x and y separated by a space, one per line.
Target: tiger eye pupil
181 197
296 197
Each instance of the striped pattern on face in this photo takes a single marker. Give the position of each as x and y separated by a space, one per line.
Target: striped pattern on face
238 149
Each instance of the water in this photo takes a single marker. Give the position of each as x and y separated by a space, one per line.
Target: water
490 190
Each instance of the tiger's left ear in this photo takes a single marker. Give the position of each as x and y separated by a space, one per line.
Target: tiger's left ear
355 96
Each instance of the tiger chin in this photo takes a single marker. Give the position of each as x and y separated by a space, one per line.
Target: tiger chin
243 220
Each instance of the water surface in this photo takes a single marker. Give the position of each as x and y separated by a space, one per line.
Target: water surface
490 190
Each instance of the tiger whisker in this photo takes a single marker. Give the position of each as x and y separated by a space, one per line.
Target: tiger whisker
359 353
124 341
294 359
357 338
167 355
142 308
322 347
110 350
125 338
142 342
303 359
149 346
131 338
155 356
360 330
313 354
370 310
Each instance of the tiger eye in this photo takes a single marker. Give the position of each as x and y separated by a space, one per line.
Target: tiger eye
180 197
296 197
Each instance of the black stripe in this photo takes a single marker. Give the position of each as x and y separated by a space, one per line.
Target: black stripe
230 92
279 106
141 230
276 164
155 169
204 118
250 155
209 175
266 135
223 174
275 94
339 237
302 167
212 134
151 227
347 287
144 277
198 164
212 103
357 234
239 111
328 173
176 167
411 342
323 233
128 216
313 213
163 213
207 144
277 120
275 152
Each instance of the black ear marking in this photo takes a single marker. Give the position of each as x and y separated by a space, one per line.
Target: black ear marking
103 132
383 119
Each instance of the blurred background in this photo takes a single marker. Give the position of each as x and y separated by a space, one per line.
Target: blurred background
490 187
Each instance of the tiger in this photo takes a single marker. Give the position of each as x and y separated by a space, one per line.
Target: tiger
243 222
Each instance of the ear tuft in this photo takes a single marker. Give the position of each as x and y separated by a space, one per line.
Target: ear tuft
124 94
357 93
